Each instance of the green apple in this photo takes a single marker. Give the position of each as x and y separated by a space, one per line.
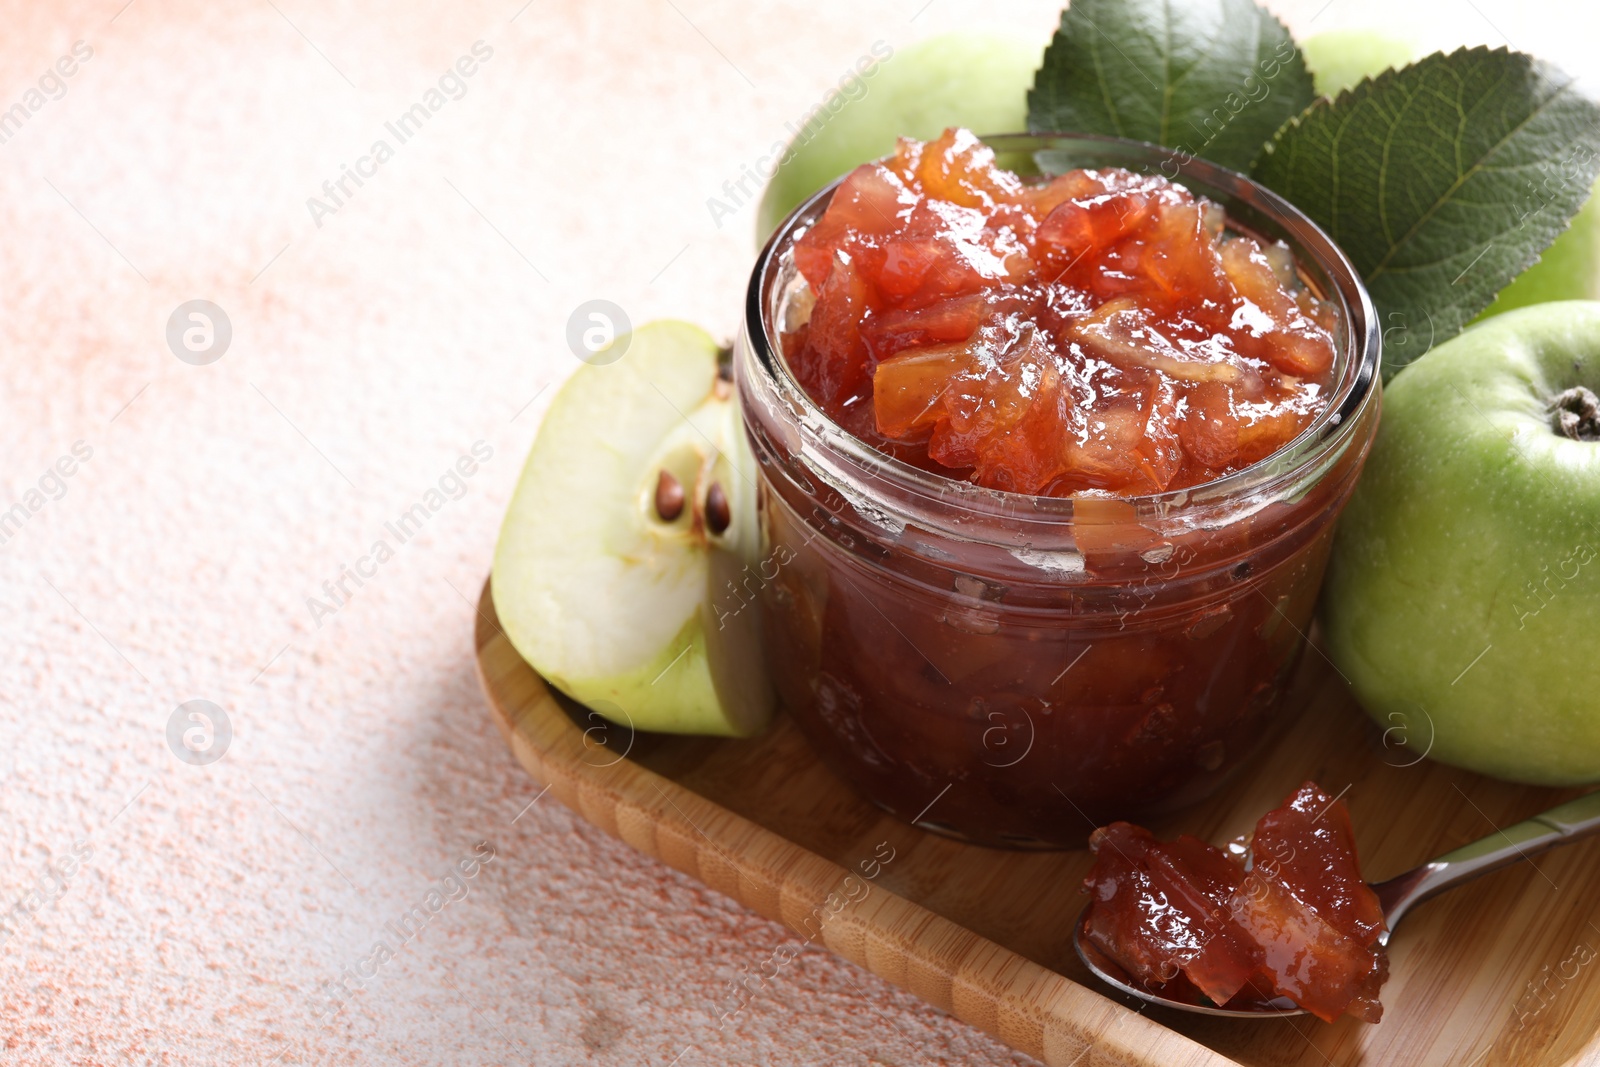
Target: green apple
976 80
1340 59
634 513
1464 588
1568 270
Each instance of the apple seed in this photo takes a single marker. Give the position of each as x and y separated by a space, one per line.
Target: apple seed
718 514
669 497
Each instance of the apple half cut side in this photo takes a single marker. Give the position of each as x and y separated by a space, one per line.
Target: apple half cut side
635 509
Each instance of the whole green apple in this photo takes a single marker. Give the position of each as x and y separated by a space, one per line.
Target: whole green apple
1339 59
1463 595
976 80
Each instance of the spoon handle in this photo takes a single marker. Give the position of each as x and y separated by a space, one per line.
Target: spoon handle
1560 825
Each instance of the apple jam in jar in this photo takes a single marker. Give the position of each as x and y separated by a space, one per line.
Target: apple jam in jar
1050 449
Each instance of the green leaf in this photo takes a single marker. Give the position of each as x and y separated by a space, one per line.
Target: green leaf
1442 181
1213 78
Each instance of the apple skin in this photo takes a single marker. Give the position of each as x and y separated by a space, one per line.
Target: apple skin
1340 59
1464 588
976 80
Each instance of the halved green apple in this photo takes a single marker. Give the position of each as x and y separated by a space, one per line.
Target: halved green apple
634 513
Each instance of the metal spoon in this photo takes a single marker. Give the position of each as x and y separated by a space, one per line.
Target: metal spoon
1559 826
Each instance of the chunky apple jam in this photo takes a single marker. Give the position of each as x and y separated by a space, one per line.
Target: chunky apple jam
1052 463
1299 924
1103 330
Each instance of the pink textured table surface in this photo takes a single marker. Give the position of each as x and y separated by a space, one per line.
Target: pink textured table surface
155 911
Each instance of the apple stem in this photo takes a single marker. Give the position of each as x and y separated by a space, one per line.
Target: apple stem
1576 414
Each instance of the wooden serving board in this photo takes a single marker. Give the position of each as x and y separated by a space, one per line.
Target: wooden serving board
1505 970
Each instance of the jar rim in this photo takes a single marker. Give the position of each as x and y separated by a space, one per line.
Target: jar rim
1359 349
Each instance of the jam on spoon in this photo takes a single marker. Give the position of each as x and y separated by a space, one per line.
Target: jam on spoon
1297 923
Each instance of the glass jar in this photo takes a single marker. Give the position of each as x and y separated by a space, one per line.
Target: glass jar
1014 670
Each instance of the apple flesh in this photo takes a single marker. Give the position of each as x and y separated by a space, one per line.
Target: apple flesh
634 513
976 80
1464 587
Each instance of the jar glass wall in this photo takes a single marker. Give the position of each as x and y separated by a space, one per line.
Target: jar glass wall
1043 665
